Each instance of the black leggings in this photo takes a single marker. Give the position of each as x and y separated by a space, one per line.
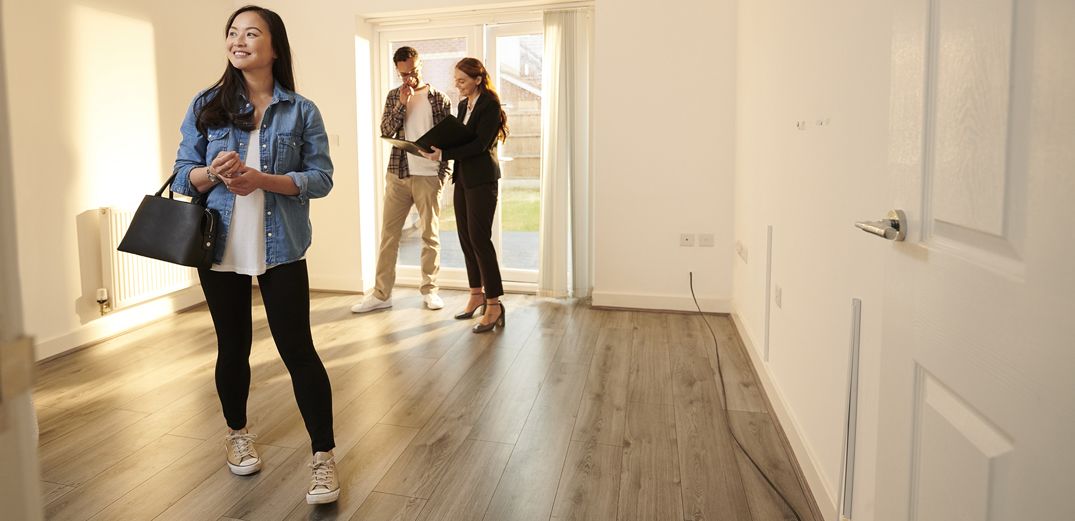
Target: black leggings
474 210
285 289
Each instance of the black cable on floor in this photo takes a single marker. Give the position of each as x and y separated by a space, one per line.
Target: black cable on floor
724 405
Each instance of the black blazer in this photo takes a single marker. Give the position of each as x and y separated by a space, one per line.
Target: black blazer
475 162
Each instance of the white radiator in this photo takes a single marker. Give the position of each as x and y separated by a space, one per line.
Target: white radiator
129 278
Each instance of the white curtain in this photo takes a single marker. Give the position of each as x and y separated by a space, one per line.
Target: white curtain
566 252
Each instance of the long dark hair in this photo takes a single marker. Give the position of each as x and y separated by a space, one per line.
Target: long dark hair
473 67
223 103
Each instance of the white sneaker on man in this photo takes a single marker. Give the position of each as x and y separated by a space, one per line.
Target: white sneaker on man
370 303
243 460
324 485
433 301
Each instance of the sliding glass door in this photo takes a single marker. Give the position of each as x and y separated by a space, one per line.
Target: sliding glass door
512 53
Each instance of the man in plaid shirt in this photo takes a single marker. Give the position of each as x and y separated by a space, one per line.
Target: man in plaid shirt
410 111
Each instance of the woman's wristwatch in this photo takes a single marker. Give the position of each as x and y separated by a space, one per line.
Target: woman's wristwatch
213 178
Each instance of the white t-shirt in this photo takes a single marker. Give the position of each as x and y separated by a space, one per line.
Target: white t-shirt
244 251
418 121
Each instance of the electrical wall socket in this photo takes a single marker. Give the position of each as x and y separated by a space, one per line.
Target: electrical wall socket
741 250
778 296
705 240
686 239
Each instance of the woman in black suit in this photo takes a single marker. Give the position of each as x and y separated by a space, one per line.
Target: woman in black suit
477 169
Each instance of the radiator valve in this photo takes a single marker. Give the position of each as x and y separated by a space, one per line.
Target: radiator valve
102 300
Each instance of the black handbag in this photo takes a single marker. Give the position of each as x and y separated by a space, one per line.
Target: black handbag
173 231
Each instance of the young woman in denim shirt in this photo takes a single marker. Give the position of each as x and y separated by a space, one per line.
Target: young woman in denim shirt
261 153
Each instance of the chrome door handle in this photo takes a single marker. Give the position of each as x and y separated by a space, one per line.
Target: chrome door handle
893 227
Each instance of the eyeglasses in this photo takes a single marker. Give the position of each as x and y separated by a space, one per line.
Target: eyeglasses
413 73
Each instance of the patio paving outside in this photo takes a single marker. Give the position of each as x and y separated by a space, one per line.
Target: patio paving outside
519 250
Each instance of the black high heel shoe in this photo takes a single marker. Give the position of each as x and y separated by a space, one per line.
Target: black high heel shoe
482 328
469 314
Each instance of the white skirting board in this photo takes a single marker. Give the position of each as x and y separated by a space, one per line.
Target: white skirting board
678 302
823 495
119 322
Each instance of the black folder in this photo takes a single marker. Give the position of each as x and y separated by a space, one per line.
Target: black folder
449 133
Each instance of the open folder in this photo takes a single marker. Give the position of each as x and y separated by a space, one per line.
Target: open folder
449 133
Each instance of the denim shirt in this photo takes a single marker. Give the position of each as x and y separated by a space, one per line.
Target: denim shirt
294 144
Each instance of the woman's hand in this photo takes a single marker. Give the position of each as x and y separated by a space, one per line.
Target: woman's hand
226 164
435 155
245 181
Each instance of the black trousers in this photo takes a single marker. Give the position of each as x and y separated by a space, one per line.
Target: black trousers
285 289
474 209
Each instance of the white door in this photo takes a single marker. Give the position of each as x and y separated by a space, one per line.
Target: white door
20 490
978 359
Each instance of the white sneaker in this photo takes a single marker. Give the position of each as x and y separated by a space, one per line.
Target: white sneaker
243 460
370 303
433 301
324 485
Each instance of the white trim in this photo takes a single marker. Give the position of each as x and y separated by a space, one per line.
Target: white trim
661 302
119 322
803 453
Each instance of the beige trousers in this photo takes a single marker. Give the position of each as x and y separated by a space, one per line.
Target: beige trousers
422 192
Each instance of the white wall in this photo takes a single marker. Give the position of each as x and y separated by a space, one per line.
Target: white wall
664 134
96 91
829 63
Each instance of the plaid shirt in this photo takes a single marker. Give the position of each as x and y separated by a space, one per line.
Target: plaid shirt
392 126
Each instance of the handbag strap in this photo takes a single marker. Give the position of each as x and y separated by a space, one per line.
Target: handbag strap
200 198
167 184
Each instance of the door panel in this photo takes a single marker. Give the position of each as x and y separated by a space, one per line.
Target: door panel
958 454
974 191
971 52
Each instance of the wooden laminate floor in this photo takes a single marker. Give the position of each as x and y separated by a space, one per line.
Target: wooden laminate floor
568 413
